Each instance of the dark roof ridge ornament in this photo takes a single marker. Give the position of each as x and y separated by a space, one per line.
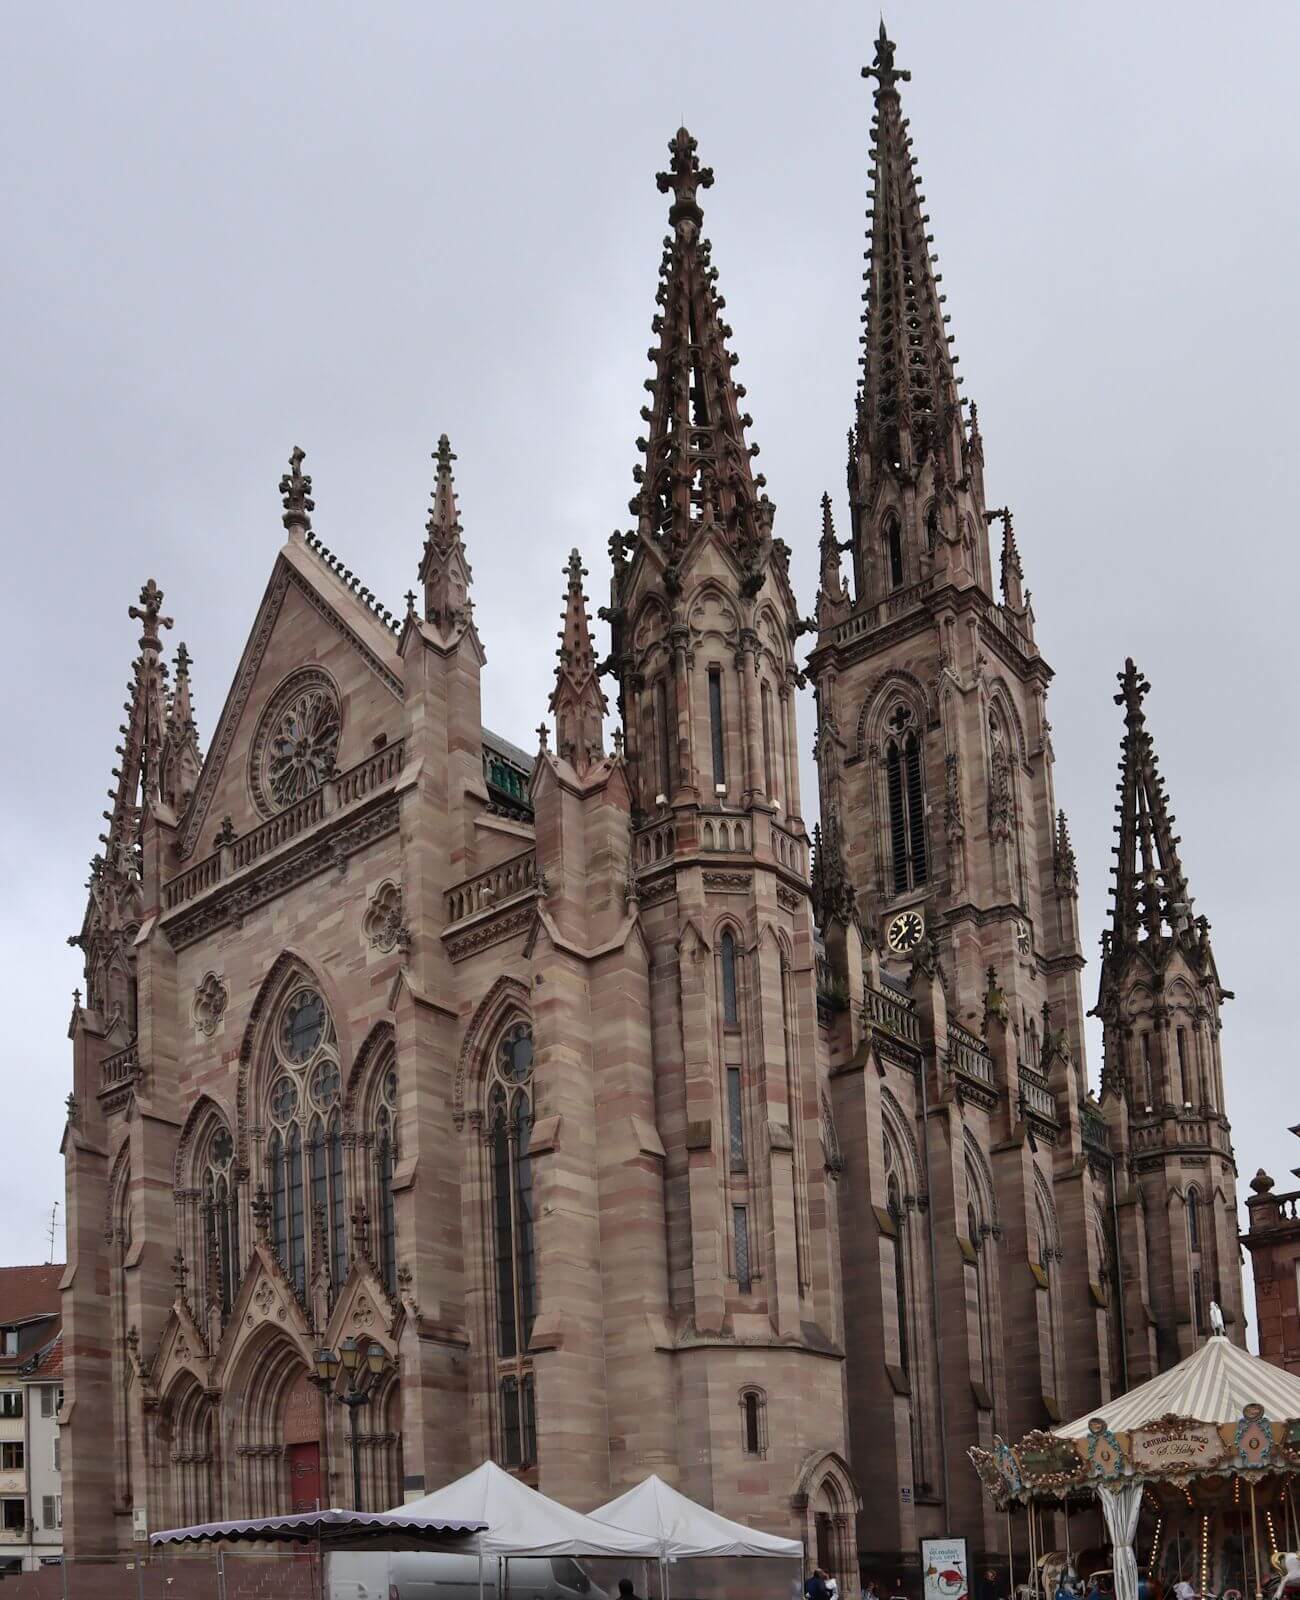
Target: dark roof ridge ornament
685 179
295 488
883 68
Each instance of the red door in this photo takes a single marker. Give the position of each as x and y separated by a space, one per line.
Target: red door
304 1476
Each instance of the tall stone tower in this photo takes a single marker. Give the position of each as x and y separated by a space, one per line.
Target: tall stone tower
946 891
703 623
1159 1004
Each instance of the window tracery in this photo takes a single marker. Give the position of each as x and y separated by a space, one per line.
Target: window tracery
297 740
385 1159
905 793
304 1152
509 1093
220 1212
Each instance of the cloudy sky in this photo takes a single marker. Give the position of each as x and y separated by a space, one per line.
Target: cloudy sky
232 229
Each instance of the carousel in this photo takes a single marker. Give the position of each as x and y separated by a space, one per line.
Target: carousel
1195 1473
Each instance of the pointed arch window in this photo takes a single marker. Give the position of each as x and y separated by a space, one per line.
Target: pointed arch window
897 1215
730 991
892 537
385 1148
510 1127
304 1152
906 799
220 1211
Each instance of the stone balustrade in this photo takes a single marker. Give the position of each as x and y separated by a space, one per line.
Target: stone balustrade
490 888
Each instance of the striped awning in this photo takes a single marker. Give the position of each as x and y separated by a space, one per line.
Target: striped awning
1214 1384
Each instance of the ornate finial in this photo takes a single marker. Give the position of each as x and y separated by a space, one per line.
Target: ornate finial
409 597
148 612
1133 690
1065 866
685 178
443 523
295 488
883 68
361 1230
995 1002
543 736
180 1272
183 660
617 737
1261 1183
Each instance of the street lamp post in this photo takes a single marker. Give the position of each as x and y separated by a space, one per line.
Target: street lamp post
362 1369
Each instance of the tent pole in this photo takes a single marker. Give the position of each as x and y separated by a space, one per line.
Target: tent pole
480 1569
1254 1541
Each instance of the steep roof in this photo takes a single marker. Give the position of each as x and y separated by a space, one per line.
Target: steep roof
48 1362
29 1292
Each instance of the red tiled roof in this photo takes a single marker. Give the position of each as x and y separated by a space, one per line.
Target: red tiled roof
27 1292
49 1363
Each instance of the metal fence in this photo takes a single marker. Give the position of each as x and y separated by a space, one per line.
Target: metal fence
169 1575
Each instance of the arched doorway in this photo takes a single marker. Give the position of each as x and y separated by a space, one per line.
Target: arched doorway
300 1431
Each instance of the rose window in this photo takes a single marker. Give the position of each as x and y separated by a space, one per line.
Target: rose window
297 741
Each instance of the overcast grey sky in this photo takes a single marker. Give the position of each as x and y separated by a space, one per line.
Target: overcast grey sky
234 228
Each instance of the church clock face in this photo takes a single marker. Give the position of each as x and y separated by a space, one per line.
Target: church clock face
905 932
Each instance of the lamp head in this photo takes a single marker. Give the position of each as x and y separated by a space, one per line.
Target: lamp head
327 1364
350 1354
376 1359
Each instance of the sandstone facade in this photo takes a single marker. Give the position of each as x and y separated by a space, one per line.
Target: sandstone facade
634 1138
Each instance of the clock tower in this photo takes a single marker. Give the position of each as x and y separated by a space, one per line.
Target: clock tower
933 745
946 894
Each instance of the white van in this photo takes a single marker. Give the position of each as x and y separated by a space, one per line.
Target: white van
431 1575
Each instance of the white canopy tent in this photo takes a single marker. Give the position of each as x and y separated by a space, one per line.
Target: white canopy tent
681 1528
518 1521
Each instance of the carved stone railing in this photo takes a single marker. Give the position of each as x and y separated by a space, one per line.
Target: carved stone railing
969 1055
1094 1128
1039 1099
344 790
371 774
490 888
195 880
790 851
725 833
893 1015
655 844
278 830
120 1067
1200 1132
1013 631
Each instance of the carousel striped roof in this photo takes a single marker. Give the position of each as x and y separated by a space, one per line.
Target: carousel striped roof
1214 1384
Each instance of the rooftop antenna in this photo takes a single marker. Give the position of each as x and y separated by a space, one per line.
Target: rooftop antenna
54 1212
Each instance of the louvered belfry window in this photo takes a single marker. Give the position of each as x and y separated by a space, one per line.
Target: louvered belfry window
906 796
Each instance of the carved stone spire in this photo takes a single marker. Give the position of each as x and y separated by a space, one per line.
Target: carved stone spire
1150 894
908 403
182 759
1065 867
833 603
444 567
577 701
833 895
1013 574
295 488
697 463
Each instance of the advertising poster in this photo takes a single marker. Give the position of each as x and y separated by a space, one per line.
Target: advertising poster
944 1572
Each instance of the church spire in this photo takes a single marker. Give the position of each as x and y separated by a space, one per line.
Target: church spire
577 701
697 463
833 602
1013 573
444 566
1150 895
295 489
908 406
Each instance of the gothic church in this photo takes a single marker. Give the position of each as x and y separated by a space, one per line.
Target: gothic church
636 1134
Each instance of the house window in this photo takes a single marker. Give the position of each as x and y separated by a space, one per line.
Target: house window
744 1269
9 1342
11 1403
49 1518
15 1516
753 1422
905 791
11 1456
57 1455
735 1121
715 727
727 957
